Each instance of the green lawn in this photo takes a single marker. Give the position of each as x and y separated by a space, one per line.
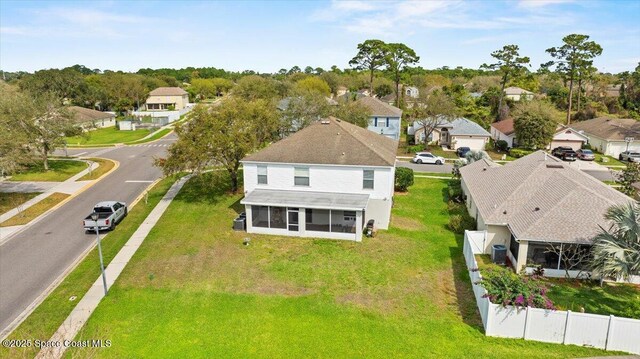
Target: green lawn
610 160
48 316
104 166
59 170
193 290
157 135
35 211
105 136
11 200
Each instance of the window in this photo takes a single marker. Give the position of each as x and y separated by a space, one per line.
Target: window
349 215
309 215
277 217
387 124
375 121
514 247
260 216
367 179
301 176
542 254
262 174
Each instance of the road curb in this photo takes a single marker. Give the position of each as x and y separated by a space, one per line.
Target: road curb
27 312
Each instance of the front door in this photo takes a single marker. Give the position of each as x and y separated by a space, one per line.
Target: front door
292 218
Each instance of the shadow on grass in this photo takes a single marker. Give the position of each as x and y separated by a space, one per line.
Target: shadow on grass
208 187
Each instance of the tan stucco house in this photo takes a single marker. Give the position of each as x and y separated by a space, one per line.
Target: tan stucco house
534 204
167 98
611 136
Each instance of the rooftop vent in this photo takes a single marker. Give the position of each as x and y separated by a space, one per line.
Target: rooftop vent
536 209
505 212
325 122
555 165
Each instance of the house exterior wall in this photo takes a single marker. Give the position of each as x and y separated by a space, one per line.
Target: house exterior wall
392 131
497 136
612 148
179 101
567 138
475 143
330 178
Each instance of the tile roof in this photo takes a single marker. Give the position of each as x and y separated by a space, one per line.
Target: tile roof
613 129
541 198
504 126
86 114
332 142
168 91
380 108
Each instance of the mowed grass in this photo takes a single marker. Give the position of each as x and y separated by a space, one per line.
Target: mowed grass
156 135
104 166
193 290
50 314
59 171
11 200
34 211
106 136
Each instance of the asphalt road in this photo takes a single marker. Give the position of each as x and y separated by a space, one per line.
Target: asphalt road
33 259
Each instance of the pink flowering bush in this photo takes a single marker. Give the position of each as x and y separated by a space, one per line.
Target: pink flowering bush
507 288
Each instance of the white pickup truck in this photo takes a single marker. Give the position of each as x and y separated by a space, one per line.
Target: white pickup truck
109 213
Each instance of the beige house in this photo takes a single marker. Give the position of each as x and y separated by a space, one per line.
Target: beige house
564 136
167 98
517 93
88 118
611 136
537 206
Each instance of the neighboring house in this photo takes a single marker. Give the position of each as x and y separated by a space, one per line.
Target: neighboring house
297 123
460 132
326 180
410 91
607 135
534 203
503 130
167 98
341 90
564 136
517 93
88 118
384 119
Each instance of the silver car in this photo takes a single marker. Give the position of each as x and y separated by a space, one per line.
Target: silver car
427 157
631 156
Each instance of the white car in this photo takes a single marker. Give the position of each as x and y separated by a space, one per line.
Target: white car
427 157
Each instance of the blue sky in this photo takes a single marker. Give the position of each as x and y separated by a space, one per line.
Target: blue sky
266 36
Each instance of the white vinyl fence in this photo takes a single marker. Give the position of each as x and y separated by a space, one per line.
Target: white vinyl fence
551 326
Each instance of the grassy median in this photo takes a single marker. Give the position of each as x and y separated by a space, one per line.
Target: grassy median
35 211
11 200
194 290
59 171
104 166
106 136
48 316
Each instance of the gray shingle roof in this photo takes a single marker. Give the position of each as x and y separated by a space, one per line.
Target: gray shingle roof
331 141
516 91
463 126
541 198
379 108
613 129
82 114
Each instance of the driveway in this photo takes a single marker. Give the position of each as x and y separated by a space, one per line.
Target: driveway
444 168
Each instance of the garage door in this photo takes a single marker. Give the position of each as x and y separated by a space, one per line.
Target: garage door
575 145
475 144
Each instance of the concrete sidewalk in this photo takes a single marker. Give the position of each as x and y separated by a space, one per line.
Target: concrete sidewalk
70 186
81 313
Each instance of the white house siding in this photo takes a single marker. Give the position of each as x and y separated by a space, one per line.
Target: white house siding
392 131
612 148
497 136
179 101
473 142
567 138
328 178
107 122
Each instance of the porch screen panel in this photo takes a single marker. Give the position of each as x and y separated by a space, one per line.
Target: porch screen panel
260 216
542 254
278 217
319 220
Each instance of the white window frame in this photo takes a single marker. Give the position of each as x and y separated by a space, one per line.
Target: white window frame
262 173
301 173
366 180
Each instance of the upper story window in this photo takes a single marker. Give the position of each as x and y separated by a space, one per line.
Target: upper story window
301 176
387 124
367 179
375 122
262 174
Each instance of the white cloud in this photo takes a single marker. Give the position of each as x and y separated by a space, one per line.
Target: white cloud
533 4
13 30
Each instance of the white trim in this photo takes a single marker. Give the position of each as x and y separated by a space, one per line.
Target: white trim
315 164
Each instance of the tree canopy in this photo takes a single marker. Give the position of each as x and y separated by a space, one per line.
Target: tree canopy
534 124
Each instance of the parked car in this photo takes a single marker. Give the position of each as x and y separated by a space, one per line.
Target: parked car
462 151
564 153
585 155
110 213
631 156
427 157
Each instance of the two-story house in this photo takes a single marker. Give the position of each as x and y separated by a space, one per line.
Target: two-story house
167 98
326 181
383 118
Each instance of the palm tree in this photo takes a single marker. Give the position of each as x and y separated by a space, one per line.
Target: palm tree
616 252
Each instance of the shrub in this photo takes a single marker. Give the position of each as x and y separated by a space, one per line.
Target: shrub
519 152
502 145
411 140
586 146
458 223
455 189
507 288
415 148
404 178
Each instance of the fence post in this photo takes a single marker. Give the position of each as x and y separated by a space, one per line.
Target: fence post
609 332
566 327
527 324
487 329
